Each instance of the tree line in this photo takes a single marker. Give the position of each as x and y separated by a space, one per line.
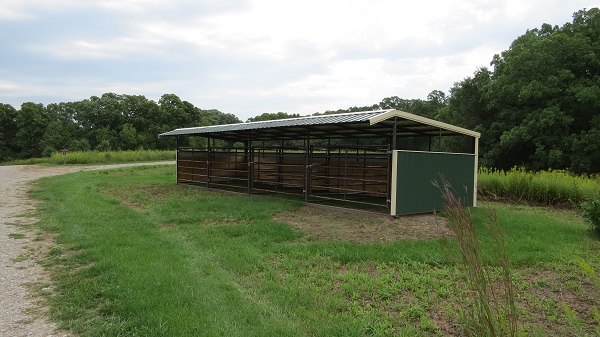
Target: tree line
536 106
108 122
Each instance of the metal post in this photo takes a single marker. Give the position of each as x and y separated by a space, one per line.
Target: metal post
389 170
177 158
345 172
307 165
208 162
250 164
64 154
279 164
193 165
328 165
390 159
394 136
476 169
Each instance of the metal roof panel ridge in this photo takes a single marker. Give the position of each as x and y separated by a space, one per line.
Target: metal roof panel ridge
304 120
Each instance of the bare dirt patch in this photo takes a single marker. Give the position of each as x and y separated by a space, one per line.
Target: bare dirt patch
338 224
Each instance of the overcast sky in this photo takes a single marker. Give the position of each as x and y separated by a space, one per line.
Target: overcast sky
247 57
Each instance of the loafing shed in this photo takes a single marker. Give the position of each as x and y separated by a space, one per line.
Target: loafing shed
385 159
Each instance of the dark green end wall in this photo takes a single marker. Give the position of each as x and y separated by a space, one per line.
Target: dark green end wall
416 172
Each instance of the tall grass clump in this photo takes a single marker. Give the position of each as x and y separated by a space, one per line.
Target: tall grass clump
552 187
489 310
100 157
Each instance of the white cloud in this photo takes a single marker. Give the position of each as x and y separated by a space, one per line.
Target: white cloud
31 9
135 6
254 56
7 13
8 86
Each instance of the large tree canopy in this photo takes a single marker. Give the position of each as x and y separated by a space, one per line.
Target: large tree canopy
539 106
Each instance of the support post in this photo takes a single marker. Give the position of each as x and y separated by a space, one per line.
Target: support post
394 187
390 174
307 165
208 162
476 171
279 164
394 135
392 168
250 165
177 159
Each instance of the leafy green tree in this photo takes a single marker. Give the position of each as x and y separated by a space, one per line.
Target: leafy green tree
173 112
537 108
8 131
80 144
547 90
107 111
128 137
100 116
430 108
31 127
61 129
267 116
467 106
225 118
55 138
395 102
585 148
106 139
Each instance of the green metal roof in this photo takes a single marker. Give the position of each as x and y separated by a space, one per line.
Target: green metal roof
348 125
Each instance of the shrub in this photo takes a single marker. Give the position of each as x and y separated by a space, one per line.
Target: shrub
591 212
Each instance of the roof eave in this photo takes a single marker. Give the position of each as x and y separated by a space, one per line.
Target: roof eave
423 120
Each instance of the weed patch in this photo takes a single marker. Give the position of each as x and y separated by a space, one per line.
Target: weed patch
16 236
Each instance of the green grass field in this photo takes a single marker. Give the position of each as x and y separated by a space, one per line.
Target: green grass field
138 255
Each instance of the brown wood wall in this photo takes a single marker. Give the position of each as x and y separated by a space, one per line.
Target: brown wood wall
327 174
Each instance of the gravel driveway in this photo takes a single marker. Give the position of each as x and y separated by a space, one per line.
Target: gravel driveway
22 312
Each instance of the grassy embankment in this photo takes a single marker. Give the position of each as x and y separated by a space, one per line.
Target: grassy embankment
139 255
98 157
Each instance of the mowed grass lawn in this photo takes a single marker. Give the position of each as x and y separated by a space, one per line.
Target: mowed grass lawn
137 255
